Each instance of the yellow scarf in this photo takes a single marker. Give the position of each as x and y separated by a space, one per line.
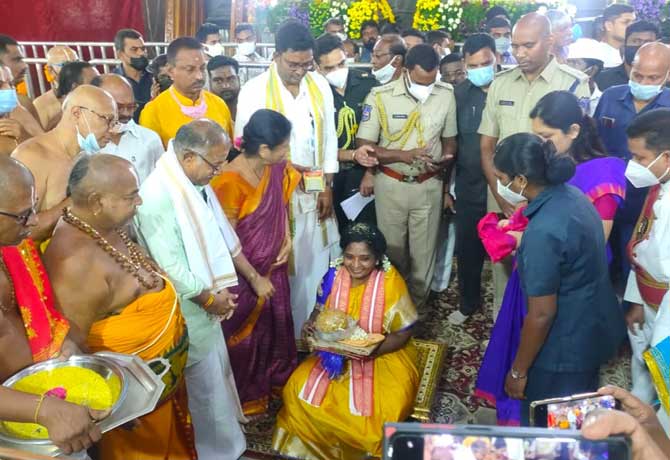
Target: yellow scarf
274 102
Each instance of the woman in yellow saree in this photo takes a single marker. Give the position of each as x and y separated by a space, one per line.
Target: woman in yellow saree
342 418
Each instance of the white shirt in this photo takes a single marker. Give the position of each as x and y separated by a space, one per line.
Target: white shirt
139 145
611 56
247 73
299 112
653 254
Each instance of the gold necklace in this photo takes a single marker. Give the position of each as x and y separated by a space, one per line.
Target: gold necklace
130 264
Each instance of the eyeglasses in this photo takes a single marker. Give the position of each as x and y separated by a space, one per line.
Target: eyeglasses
306 66
379 56
111 120
215 168
21 219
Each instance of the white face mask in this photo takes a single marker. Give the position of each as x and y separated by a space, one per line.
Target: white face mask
338 78
246 48
341 36
349 61
385 74
510 195
421 92
641 176
214 50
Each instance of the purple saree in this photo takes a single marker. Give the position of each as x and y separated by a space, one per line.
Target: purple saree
259 335
595 178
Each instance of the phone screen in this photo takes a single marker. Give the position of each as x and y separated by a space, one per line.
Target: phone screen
570 414
451 447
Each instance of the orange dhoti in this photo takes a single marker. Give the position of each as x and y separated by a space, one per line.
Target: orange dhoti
151 327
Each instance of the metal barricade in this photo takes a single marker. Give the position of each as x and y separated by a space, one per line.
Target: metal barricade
103 56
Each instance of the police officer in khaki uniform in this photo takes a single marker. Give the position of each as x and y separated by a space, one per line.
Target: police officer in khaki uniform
512 96
412 123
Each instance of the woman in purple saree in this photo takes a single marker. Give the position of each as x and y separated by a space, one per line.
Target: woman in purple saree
254 190
558 118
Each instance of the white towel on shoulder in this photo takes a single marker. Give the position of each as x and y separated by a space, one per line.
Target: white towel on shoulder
208 237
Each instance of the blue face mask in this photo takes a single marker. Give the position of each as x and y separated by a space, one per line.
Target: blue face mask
8 100
481 76
88 144
644 92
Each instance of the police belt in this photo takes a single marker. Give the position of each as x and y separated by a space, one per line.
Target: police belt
408 179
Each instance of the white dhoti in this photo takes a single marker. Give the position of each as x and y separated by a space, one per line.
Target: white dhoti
314 245
215 406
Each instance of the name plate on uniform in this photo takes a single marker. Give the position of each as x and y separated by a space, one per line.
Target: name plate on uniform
314 181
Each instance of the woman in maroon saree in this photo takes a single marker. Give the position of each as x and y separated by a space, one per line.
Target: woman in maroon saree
254 190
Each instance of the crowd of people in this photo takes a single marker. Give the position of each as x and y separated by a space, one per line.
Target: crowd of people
180 208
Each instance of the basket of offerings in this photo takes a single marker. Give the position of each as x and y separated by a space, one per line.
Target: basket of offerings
336 332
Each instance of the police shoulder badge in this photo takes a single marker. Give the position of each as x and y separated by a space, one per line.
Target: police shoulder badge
367 110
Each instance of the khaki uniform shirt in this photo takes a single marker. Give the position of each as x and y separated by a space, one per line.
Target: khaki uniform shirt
437 117
512 97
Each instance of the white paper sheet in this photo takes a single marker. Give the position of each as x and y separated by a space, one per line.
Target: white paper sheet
353 206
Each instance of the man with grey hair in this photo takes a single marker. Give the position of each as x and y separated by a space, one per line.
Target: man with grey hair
561 29
182 225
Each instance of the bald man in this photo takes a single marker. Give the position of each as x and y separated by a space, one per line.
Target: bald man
16 123
388 58
70 427
48 106
89 116
125 311
511 97
137 144
617 108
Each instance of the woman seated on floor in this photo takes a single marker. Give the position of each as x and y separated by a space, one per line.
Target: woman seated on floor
320 418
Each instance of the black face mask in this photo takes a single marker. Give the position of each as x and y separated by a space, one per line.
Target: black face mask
629 53
370 45
139 63
164 82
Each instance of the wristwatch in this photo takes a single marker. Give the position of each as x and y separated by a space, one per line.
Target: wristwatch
516 375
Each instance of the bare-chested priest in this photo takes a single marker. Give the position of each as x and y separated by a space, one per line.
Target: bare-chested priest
48 106
89 116
23 282
117 297
16 123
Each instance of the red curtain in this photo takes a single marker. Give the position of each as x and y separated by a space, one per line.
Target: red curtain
69 20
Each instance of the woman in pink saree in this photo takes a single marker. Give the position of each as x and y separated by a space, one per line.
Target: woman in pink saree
254 190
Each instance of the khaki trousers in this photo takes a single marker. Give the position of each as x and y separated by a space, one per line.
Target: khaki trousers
409 215
502 270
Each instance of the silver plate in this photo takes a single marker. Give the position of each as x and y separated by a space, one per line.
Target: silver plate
143 390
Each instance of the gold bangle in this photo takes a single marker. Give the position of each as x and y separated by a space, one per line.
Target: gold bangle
210 301
39 406
353 156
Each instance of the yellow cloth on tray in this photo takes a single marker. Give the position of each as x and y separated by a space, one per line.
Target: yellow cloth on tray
331 431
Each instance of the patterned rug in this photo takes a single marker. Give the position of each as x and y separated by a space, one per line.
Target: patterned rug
453 401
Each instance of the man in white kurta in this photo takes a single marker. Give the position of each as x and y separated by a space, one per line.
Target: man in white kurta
306 100
182 225
647 288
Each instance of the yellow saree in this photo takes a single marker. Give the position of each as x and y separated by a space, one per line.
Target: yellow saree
151 327
331 431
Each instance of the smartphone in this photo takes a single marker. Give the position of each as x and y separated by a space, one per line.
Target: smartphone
568 413
413 441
